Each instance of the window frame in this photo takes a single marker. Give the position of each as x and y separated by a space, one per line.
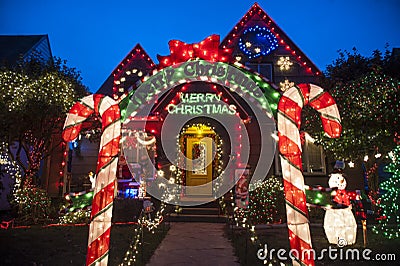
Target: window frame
268 64
305 160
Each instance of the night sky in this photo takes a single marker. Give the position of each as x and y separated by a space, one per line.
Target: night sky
94 36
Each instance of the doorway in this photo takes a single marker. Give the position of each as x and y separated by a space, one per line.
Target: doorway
199 150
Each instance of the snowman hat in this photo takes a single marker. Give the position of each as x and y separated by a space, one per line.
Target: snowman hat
337 171
340 165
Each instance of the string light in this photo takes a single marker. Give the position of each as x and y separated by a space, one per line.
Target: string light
369 117
389 199
55 94
125 75
257 41
254 14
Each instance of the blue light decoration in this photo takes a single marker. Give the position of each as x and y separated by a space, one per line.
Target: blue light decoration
131 193
73 144
257 41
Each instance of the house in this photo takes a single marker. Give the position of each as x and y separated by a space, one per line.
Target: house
20 47
264 53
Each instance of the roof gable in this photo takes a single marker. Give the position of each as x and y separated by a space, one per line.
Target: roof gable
129 71
256 16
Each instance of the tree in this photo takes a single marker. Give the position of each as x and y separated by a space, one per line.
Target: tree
366 90
390 199
35 99
350 66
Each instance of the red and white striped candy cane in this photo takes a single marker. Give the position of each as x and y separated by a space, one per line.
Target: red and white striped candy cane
289 121
104 191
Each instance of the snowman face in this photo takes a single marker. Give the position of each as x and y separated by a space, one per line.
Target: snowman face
337 180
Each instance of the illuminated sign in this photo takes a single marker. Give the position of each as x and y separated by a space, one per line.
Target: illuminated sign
201 104
192 71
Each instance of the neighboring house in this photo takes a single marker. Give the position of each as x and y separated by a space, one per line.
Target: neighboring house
13 49
256 42
20 47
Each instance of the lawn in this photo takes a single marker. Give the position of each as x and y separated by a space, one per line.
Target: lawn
66 245
277 238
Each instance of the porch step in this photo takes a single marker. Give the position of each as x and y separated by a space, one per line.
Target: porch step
200 211
209 213
202 218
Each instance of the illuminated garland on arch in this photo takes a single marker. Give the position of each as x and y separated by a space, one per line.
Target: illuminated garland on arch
174 76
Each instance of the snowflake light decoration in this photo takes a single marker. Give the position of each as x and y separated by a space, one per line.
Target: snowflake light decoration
284 63
286 85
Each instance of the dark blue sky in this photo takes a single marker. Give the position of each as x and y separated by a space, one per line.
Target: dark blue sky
94 36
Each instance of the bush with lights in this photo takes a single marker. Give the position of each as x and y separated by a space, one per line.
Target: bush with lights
266 202
32 203
389 200
34 99
366 90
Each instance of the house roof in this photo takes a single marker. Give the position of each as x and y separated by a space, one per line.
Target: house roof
257 16
137 58
13 47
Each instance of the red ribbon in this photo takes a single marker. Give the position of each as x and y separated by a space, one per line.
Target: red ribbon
208 49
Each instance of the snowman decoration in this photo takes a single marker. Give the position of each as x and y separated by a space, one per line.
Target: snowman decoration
339 223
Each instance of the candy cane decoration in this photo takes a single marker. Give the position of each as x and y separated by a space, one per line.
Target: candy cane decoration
104 191
289 121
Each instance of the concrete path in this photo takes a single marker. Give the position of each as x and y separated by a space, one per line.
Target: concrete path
194 244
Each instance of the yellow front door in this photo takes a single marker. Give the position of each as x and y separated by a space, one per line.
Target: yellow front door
199 166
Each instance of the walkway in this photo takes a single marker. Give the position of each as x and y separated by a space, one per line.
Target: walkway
195 244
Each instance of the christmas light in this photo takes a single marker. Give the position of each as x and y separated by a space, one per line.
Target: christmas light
256 15
284 63
340 224
286 84
102 205
370 118
258 39
389 199
289 122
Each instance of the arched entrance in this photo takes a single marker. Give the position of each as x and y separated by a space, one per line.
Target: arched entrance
170 99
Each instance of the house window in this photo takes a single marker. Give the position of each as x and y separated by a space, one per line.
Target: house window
264 69
313 157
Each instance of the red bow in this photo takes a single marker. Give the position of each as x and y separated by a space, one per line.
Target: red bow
208 49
